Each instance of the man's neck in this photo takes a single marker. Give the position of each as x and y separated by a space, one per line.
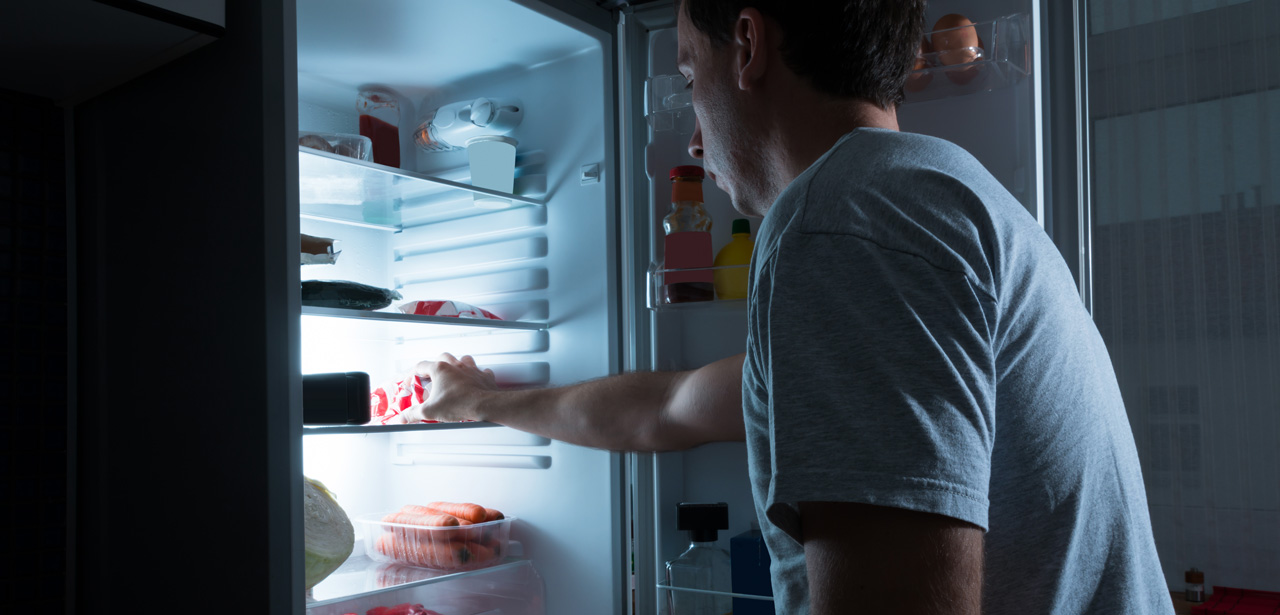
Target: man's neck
804 136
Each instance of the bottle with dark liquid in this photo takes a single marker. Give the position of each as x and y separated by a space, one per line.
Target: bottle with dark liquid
688 241
380 121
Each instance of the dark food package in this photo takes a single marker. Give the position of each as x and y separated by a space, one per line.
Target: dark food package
346 295
335 399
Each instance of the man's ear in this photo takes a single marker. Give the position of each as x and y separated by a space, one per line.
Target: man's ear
751 47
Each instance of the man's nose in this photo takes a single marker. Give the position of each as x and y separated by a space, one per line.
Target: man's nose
695 142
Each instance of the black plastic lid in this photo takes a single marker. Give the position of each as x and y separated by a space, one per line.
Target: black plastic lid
702 521
741 225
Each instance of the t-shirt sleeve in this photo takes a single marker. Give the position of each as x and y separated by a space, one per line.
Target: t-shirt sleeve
882 380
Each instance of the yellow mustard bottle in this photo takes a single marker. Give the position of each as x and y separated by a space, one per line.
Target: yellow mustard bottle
732 283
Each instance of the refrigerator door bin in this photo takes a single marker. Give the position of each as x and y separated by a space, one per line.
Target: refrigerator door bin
660 298
512 587
1003 58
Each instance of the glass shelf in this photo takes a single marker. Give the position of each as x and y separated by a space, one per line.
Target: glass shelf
361 579
1003 59
342 189
701 294
323 430
418 321
672 588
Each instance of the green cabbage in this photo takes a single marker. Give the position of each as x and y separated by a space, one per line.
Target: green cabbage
329 537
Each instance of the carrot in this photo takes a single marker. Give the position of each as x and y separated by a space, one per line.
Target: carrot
414 518
470 512
492 514
444 555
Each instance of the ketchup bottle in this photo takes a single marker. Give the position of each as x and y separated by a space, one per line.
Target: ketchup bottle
688 241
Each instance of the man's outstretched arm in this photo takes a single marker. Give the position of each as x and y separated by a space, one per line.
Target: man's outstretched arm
639 411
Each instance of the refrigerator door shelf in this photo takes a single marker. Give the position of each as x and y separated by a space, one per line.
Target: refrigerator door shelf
671 588
1002 60
342 189
656 298
360 584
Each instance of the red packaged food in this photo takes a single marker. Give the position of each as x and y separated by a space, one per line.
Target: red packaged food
386 403
456 309
401 609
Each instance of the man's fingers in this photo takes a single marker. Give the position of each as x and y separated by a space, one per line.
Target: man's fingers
489 374
468 361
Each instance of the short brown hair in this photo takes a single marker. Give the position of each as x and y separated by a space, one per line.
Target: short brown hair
845 48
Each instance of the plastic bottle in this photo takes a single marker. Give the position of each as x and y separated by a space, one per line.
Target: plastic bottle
380 121
688 240
732 283
702 565
750 567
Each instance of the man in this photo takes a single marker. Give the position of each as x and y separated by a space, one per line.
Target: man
946 435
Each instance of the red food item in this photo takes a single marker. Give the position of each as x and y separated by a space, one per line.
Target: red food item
400 609
386 140
387 402
447 308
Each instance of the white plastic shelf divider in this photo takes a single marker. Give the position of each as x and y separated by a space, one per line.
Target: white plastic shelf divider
344 189
448 321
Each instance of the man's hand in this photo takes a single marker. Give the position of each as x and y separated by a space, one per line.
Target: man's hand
875 559
638 411
458 391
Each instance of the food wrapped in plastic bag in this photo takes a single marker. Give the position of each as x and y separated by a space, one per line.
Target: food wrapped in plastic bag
347 295
387 402
456 309
318 251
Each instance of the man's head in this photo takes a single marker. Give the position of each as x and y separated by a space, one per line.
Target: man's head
738 53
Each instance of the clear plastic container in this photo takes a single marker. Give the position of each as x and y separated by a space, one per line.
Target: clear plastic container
1001 57
351 146
465 547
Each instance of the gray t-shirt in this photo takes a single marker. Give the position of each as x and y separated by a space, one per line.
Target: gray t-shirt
915 340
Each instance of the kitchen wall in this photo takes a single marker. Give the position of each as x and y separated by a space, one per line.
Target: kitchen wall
1184 102
33 355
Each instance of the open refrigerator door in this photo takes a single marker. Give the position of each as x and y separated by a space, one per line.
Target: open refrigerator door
453 165
976 84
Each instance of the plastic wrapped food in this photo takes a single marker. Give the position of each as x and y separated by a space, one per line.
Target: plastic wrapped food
318 251
347 295
351 146
386 403
446 308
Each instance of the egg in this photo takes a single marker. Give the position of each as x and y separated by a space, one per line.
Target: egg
957 42
917 81
955 39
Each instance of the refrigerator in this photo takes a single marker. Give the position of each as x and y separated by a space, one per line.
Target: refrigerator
568 260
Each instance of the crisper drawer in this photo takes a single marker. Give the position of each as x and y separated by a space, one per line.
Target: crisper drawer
510 588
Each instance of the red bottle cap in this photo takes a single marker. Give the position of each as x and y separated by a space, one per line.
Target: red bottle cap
687 171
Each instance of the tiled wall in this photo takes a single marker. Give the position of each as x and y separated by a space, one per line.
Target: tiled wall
33 355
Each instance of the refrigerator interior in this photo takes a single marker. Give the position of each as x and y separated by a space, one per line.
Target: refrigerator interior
546 268
995 115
